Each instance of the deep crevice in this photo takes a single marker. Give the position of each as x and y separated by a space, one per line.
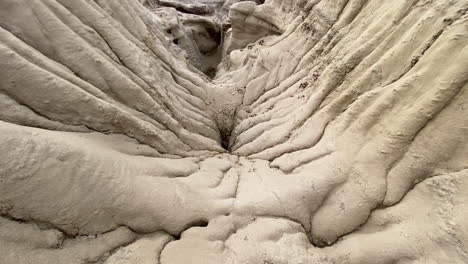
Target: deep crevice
225 137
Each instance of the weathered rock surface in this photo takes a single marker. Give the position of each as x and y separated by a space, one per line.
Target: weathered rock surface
327 131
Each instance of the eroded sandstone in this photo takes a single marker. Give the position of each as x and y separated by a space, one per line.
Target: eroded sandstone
207 131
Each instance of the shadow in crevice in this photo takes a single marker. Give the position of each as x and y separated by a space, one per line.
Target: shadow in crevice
225 137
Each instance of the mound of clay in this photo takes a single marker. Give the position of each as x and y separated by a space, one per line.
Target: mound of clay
211 131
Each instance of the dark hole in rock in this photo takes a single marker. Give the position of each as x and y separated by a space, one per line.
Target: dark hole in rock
211 72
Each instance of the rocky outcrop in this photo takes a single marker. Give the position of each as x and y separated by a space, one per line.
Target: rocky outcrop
330 131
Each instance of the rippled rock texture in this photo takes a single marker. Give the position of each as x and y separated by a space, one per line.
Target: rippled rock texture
276 132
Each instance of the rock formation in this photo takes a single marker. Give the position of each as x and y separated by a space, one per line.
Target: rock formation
212 131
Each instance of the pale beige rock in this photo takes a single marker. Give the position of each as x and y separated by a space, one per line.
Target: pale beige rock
327 131
145 250
84 249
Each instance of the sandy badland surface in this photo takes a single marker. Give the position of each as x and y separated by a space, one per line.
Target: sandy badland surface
269 132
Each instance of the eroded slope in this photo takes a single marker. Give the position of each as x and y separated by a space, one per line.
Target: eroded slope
345 122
